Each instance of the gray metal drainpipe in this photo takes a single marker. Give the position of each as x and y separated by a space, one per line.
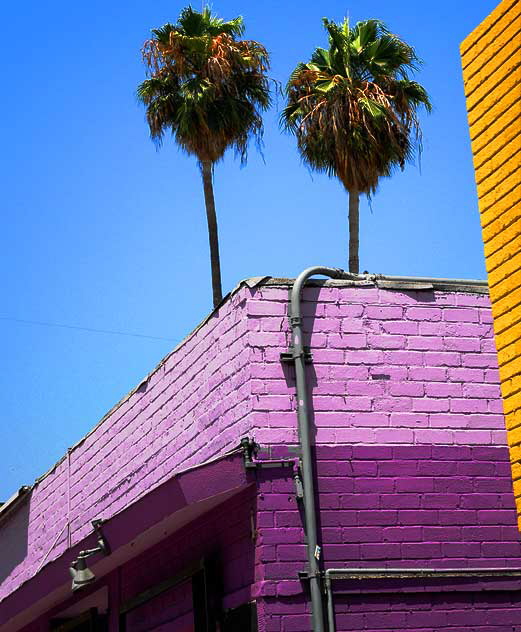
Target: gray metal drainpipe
297 351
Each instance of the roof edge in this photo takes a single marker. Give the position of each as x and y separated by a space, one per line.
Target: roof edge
365 280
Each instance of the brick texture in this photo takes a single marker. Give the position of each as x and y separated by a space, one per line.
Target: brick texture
491 57
192 407
401 506
388 367
222 538
409 429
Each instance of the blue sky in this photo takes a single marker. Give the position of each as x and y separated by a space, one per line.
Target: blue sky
101 231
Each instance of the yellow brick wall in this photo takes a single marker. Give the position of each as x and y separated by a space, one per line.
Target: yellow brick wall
491 59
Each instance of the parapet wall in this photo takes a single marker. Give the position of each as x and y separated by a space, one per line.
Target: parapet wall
389 367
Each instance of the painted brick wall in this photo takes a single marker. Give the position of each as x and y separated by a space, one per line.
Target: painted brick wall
388 367
414 369
491 57
459 612
222 536
193 406
402 506
413 464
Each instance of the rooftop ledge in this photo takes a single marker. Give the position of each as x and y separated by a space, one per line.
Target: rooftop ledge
387 282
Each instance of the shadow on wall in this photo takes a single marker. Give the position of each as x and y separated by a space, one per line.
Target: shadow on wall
13 539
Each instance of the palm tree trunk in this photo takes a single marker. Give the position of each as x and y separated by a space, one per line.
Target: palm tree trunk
213 237
354 226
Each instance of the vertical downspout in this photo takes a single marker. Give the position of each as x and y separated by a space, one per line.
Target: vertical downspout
331 627
297 355
313 551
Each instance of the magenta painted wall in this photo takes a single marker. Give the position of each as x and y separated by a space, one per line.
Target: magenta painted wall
222 537
408 422
192 407
396 506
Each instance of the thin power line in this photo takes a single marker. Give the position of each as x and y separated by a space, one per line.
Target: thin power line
90 329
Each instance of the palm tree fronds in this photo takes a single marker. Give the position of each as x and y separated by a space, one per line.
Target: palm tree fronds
204 85
320 58
353 107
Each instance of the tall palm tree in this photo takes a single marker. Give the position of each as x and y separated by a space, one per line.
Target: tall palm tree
353 110
208 88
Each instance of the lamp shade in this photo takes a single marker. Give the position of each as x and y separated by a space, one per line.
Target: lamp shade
81 575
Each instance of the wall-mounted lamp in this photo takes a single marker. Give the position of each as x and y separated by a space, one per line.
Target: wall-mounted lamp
81 575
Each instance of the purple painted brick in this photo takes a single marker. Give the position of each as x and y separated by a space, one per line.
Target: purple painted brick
437 389
466 375
425 343
377 453
461 315
375 551
409 420
442 358
501 549
343 311
381 312
348 341
384 381
407 358
265 308
441 501
430 405
376 341
344 372
461 344
430 374
423 313
394 435
365 357
425 550
400 327
480 360
370 388
492 375
410 389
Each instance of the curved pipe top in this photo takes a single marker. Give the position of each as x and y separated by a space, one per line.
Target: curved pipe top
296 290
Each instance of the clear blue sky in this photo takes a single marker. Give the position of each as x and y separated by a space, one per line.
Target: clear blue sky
101 231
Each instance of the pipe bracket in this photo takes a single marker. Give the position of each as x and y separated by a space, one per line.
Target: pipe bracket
289 357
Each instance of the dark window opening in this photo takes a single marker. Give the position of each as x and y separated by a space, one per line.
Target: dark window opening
89 621
179 604
243 619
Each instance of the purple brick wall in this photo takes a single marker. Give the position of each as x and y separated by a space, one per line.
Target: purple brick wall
395 506
459 612
408 420
193 406
389 367
222 537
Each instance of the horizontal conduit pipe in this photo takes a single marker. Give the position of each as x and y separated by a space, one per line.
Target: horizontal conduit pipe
431 280
362 574
411 573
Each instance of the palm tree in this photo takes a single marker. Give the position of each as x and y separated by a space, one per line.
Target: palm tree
353 110
208 88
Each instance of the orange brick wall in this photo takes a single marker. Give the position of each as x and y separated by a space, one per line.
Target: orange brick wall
491 58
